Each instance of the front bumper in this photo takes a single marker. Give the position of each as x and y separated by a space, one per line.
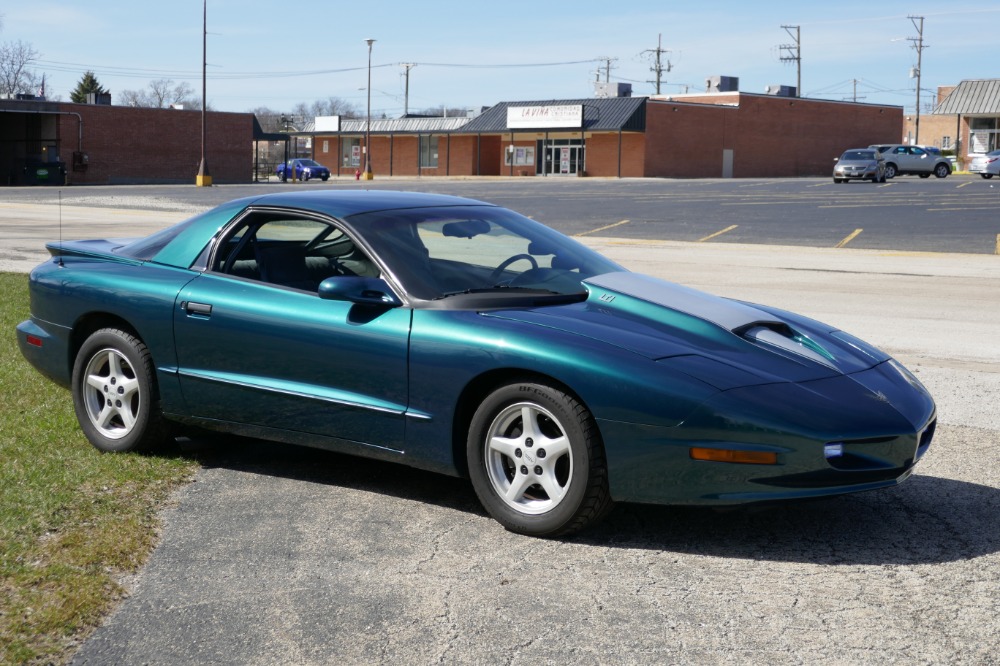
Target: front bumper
830 437
859 173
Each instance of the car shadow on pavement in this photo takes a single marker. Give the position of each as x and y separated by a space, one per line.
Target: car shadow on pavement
926 520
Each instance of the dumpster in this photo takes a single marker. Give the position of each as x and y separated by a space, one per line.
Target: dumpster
45 173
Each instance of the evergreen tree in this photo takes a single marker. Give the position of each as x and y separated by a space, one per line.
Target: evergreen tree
88 84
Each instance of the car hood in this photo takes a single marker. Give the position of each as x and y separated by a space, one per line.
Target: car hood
724 342
856 162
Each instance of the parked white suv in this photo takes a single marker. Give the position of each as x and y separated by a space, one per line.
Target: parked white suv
901 160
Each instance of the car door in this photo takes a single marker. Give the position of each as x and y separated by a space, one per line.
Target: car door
901 156
256 345
920 160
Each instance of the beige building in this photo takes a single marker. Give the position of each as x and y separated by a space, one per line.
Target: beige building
966 120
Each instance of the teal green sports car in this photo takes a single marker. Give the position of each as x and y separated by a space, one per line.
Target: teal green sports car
463 338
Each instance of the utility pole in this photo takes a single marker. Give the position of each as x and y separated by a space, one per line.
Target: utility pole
407 66
607 60
204 178
854 97
658 67
794 52
918 44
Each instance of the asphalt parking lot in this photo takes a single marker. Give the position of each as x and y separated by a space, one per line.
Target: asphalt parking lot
285 555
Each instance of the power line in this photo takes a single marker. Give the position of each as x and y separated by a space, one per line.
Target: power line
135 72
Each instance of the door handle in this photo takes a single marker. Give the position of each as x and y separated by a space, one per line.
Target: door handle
191 307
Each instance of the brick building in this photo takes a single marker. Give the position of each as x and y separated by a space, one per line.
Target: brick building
966 120
51 142
709 135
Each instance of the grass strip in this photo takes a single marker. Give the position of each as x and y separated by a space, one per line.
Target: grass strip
72 520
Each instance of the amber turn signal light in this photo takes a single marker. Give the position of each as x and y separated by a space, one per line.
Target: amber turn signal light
732 456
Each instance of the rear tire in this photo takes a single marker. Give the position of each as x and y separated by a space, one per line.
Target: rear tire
890 171
987 176
537 461
115 394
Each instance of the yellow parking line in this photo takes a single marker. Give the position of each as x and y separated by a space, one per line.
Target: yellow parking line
963 185
718 233
849 238
607 226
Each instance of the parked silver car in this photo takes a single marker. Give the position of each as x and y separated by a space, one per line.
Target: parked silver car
987 165
901 160
860 164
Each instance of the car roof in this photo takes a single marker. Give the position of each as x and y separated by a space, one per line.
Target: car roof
340 203
196 232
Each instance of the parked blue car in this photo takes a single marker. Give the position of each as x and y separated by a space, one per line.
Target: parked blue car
463 338
304 169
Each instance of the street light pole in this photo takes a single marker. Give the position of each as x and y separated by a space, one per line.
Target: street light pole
368 125
203 178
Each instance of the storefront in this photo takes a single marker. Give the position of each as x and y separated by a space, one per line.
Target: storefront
975 105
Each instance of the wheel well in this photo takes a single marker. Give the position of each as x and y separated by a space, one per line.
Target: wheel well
476 391
87 325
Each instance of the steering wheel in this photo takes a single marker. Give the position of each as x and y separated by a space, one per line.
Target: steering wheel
498 271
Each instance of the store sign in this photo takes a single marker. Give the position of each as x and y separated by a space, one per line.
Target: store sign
327 124
535 117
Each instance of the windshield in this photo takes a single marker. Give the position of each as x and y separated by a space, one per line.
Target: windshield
308 163
437 253
858 155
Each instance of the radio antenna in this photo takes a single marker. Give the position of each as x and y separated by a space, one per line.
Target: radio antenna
60 262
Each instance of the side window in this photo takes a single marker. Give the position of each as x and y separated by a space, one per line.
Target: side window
900 151
919 152
298 253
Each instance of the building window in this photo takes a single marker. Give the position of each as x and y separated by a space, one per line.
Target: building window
428 152
519 156
350 152
326 146
946 142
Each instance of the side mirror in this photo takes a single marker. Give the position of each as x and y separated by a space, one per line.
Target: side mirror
360 291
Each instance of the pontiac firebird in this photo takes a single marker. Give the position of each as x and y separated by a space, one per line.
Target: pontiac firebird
463 338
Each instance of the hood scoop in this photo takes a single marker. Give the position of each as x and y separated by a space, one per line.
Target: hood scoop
727 314
745 321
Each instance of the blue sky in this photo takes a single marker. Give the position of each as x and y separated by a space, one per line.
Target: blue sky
472 54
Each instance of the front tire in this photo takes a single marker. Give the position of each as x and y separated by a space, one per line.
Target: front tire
537 461
115 394
987 176
941 171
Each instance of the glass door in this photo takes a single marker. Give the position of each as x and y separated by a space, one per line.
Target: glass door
562 158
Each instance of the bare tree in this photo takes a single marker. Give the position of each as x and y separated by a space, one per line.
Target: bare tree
443 111
269 119
334 106
15 77
160 94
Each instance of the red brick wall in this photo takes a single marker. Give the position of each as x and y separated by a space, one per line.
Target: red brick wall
686 140
490 155
770 136
602 155
463 155
135 145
